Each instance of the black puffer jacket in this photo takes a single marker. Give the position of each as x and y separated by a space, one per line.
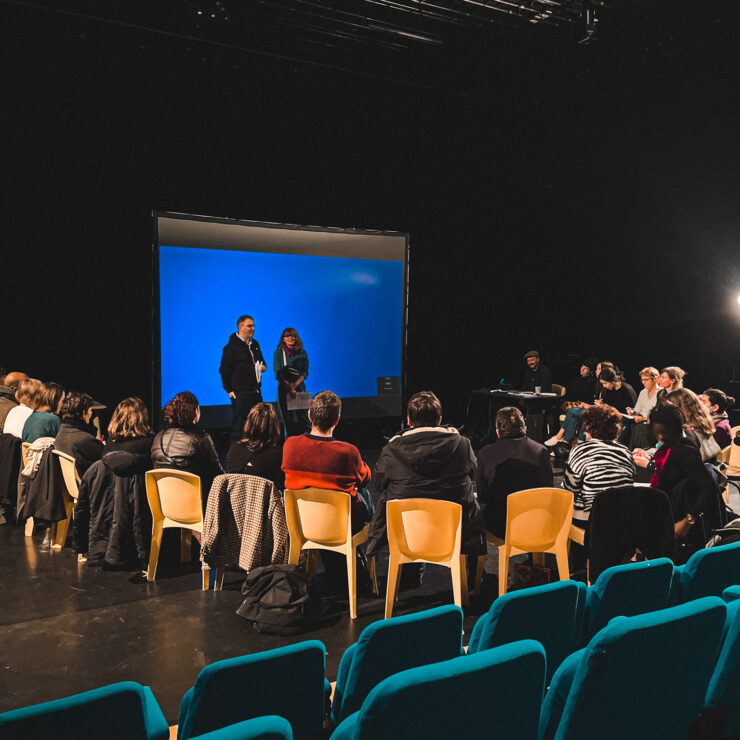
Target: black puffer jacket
112 518
76 438
189 449
429 462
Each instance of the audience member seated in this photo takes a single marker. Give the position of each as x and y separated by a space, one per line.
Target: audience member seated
514 463
573 423
640 436
28 390
8 388
697 422
112 520
44 421
581 389
76 436
615 391
678 470
718 402
428 461
536 375
185 446
259 452
317 460
670 379
599 463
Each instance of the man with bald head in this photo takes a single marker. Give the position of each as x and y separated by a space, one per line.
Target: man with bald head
8 387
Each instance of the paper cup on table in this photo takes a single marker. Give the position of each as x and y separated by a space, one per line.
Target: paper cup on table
538 389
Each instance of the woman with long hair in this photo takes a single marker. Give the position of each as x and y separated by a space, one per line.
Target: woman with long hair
259 452
27 395
44 421
697 421
184 445
129 428
290 363
718 402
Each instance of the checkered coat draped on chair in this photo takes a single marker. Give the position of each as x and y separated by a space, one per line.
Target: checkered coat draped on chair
244 523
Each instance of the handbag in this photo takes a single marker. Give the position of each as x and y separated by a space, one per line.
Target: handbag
288 373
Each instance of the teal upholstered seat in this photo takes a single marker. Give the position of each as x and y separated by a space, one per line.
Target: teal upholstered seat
259 728
551 614
627 590
392 645
121 711
641 677
494 693
709 572
287 682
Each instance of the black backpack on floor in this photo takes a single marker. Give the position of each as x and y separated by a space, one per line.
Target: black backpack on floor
279 600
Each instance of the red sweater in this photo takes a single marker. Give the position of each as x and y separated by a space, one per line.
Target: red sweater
323 462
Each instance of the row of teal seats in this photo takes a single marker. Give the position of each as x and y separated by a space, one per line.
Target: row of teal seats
554 615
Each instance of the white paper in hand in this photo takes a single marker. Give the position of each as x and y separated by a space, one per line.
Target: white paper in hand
301 401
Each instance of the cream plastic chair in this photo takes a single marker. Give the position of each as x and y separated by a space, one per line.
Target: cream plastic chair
422 530
71 483
24 462
558 390
175 501
319 519
538 520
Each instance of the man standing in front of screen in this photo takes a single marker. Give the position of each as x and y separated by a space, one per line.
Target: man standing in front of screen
242 365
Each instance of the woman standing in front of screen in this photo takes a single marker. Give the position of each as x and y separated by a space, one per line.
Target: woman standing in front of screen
291 370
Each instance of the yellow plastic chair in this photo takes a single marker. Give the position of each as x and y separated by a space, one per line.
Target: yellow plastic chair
319 519
422 530
175 501
538 520
71 483
24 462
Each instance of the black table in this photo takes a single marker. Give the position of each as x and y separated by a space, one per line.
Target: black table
533 405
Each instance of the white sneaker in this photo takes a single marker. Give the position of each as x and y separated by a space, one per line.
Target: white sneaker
552 441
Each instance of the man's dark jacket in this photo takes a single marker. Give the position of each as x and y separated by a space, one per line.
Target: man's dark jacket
112 519
237 366
428 462
540 377
509 465
76 438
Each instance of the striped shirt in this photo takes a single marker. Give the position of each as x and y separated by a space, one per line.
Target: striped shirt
595 466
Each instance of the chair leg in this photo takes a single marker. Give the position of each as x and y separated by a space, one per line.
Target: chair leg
219 578
538 558
373 574
391 591
503 570
154 550
563 568
479 573
186 541
29 527
62 528
206 576
461 574
352 581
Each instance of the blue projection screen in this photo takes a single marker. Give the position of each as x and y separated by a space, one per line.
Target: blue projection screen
343 291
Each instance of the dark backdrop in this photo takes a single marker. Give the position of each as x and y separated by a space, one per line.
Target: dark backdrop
579 200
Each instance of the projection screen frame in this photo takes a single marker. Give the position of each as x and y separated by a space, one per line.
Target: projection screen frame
156 368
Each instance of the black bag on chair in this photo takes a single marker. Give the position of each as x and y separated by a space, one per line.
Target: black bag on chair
279 600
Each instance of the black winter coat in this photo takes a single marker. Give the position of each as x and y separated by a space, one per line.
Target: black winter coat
237 366
428 462
76 438
112 519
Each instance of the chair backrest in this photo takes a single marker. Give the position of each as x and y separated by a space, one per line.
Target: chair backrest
724 454
558 389
318 515
424 529
538 518
710 571
551 614
626 590
644 676
396 644
259 728
287 681
127 711
731 593
625 518
734 457
69 473
723 694
496 692
24 452
174 494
